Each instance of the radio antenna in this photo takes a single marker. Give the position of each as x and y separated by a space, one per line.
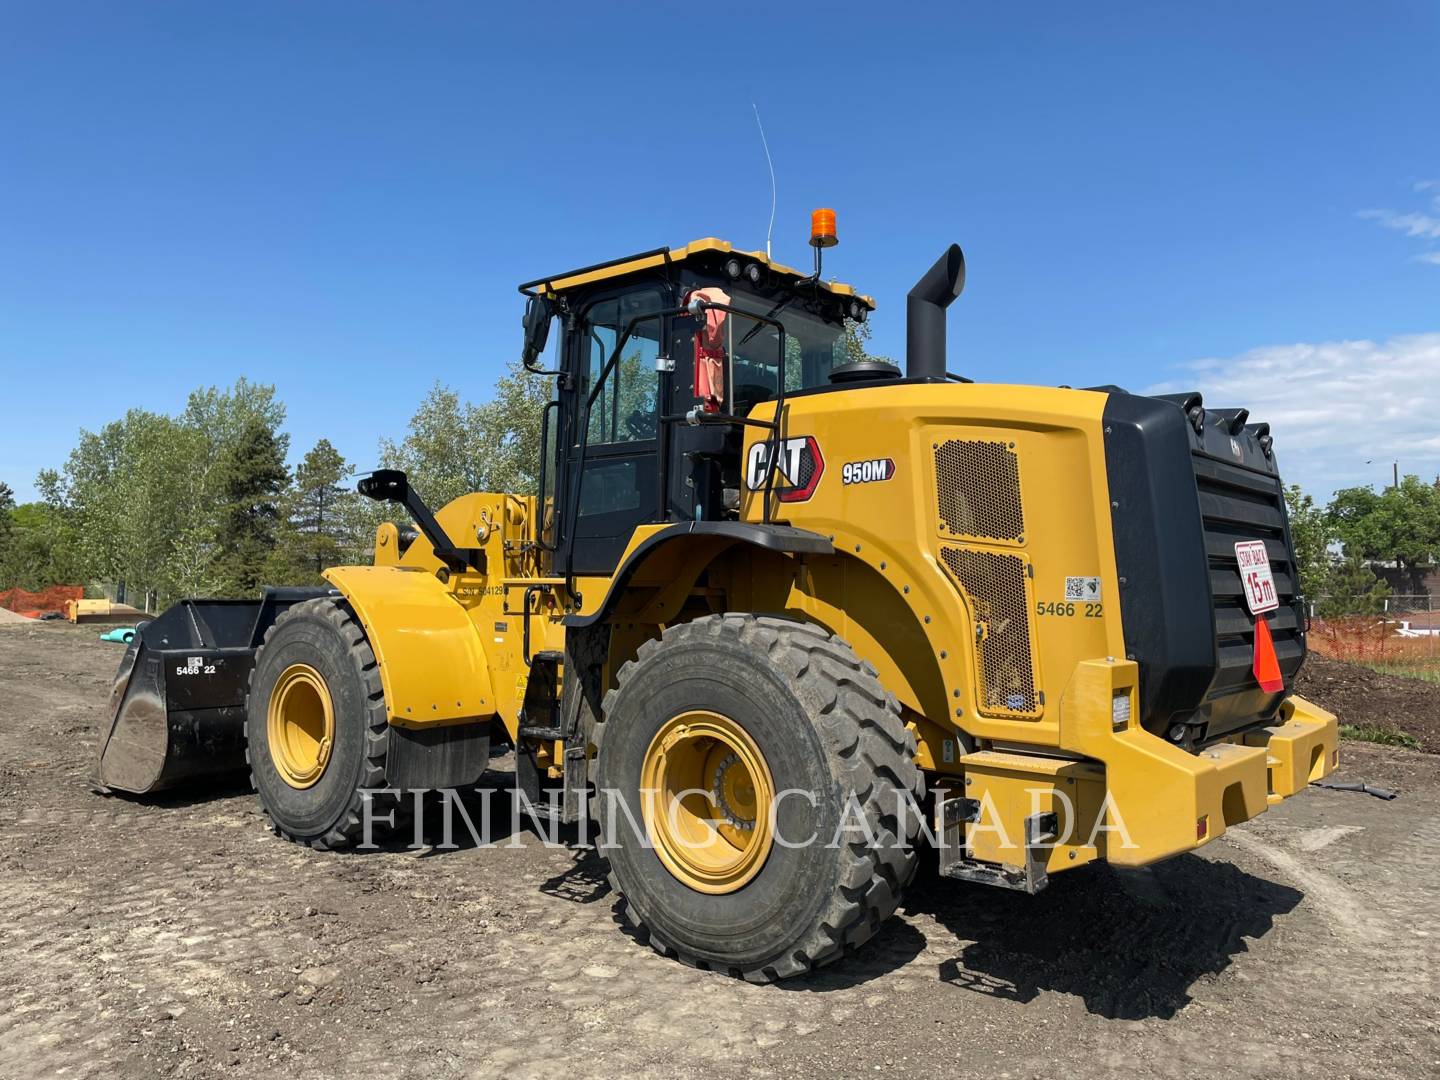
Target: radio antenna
770 231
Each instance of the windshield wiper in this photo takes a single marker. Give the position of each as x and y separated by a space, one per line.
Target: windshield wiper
769 315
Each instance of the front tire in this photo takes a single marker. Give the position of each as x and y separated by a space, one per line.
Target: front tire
756 707
315 726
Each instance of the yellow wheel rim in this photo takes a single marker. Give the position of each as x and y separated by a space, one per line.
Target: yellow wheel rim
706 798
300 725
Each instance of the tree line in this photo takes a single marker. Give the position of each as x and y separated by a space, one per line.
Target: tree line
1338 545
204 502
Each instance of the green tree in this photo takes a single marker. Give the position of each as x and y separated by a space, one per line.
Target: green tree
1351 588
510 429
223 416
321 515
852 347
1400 524
1312 531
193 566
855 343
440 453
7 521
252 477
122 497
455 447
38 553
142 500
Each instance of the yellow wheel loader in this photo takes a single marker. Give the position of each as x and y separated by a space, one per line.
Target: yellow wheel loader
777 617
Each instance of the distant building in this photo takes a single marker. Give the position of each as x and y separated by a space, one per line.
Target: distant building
1413 581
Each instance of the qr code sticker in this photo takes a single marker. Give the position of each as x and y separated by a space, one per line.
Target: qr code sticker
1082 588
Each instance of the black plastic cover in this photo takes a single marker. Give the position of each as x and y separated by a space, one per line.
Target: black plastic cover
1159 555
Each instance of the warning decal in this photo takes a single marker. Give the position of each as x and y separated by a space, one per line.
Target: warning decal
1256 576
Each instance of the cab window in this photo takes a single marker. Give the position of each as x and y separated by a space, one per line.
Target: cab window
625 409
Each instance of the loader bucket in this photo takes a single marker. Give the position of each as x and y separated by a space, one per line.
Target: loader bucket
177 707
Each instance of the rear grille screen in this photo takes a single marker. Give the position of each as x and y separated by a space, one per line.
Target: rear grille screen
978 484
996 587
1239 504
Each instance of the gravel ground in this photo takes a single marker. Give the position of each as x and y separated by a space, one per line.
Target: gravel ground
177 937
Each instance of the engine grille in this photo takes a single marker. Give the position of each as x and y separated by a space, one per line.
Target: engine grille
996 585
1241 504
978 484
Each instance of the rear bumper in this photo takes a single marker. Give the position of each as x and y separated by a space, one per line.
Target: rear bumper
1160 800
1143 801
1243 777
1302 748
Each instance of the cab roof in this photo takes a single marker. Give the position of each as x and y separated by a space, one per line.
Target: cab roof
695 251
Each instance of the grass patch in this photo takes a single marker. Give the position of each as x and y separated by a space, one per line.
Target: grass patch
1384 736
1424 672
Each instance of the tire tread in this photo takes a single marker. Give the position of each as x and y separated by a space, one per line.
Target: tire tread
341 616
860 726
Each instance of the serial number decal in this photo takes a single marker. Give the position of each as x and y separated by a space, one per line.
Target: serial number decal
867 472
1067 609
195 665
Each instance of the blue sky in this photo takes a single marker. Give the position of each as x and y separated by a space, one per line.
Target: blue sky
339 198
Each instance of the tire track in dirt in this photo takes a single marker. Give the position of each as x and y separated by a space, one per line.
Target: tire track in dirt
1386 925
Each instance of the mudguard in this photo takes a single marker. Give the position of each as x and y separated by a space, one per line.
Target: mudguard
432 662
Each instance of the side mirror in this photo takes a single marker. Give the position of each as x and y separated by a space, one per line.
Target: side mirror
538 313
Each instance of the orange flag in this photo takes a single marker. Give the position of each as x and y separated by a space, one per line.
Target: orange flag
1267 664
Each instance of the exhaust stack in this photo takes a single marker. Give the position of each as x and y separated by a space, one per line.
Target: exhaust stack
925 315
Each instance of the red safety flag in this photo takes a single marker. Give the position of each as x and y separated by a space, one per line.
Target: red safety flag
1266 665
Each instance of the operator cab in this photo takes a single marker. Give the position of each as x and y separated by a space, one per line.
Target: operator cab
662 358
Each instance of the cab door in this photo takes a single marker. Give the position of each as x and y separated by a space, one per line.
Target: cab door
614 485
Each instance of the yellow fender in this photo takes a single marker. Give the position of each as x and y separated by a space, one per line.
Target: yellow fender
432 663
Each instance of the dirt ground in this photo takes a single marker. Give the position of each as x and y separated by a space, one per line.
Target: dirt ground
177 937
1360 695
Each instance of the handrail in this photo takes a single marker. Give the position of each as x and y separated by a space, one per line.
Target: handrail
540 480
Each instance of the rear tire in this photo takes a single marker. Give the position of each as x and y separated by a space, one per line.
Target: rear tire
320 637
819 722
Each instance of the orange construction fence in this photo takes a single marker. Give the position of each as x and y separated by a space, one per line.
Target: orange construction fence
24 602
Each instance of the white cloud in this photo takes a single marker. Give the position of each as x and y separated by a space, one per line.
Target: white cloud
1332 406
1414 223
1410 224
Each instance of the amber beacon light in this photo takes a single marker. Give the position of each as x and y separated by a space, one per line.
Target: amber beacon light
822 229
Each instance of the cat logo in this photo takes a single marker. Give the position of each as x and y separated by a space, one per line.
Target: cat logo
798 466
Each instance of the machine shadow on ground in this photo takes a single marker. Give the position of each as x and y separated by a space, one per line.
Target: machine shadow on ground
1128 943
186 795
